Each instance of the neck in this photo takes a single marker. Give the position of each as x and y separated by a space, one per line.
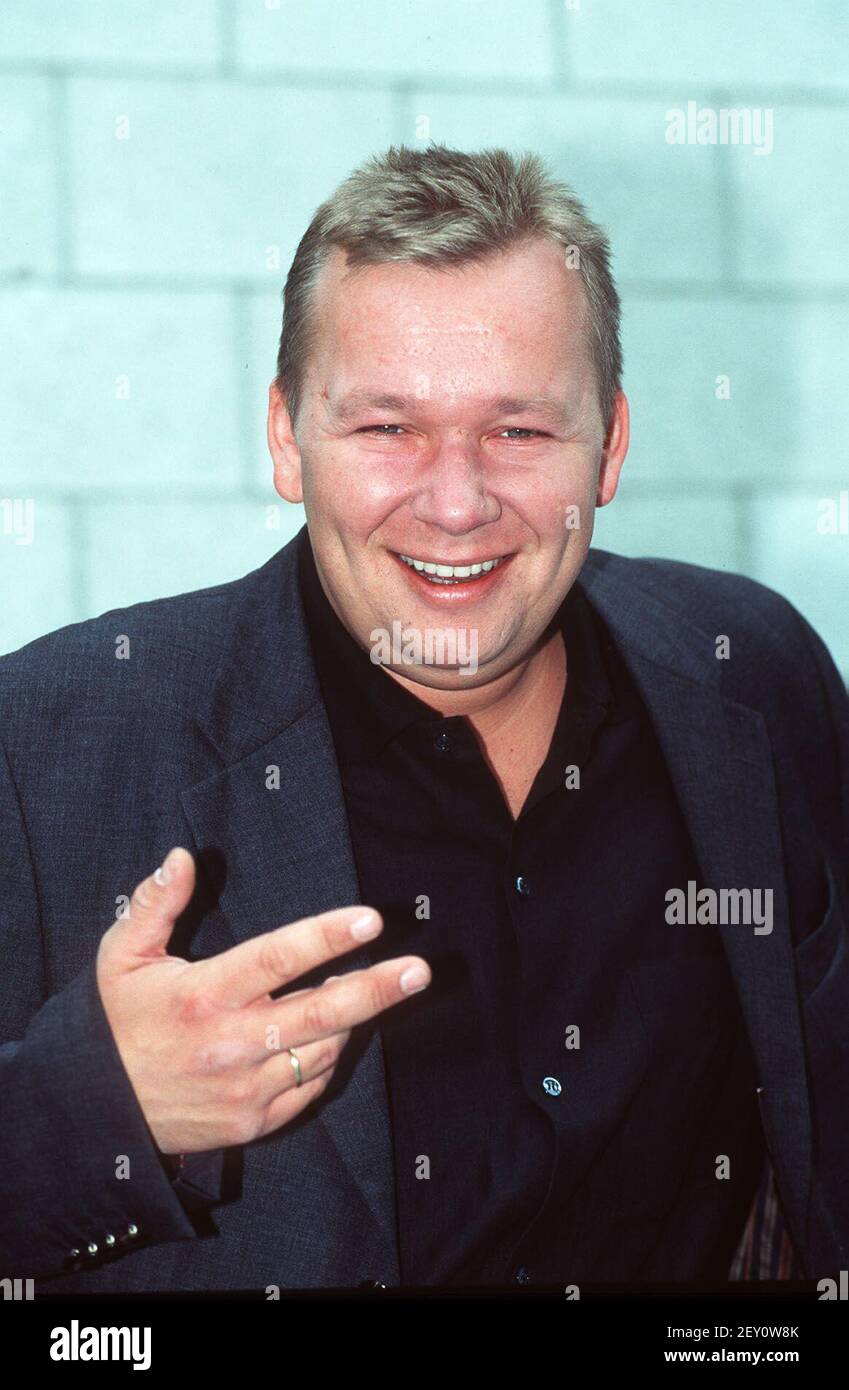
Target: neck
510 698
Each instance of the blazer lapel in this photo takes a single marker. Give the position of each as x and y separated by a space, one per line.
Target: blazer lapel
720 760
280 850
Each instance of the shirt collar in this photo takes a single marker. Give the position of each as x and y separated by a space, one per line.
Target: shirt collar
366 708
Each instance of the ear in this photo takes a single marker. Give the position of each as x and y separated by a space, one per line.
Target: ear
615 449
283 447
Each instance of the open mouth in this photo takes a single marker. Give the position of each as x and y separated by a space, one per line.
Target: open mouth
435 572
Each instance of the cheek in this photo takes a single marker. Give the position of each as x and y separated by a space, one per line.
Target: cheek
359 493
567 502
339 499
553 505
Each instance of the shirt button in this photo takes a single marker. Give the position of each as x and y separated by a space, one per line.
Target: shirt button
551 1086
522 886
521 1276
442 743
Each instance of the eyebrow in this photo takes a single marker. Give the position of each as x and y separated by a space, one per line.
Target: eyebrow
358 400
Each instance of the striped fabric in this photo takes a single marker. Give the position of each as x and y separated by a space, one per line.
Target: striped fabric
765 1250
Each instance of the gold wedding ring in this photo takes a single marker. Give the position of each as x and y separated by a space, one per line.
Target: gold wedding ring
296 1066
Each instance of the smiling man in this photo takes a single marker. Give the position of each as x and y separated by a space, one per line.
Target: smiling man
453 496
426 1017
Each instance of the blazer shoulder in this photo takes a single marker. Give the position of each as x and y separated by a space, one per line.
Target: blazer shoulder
711 599
170 645
773 660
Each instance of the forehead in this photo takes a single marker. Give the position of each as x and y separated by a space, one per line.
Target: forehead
523 297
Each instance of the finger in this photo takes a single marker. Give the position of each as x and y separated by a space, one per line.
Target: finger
293 993
155 905
351 999
288 1104
251 1037
246 972
254 1036
280 1074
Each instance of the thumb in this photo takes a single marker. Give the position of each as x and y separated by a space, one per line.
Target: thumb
154 908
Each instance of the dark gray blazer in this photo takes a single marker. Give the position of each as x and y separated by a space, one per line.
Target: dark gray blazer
107 762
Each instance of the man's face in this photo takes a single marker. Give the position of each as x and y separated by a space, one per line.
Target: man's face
450 417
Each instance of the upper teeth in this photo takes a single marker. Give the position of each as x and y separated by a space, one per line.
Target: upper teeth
452 571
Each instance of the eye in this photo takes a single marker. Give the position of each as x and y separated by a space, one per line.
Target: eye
379 429
517 429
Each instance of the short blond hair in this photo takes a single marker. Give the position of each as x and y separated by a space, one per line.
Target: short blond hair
438 207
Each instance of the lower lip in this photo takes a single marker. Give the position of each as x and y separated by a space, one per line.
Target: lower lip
465 591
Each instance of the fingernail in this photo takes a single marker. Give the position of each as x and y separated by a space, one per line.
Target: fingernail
365 926
163 873
414 979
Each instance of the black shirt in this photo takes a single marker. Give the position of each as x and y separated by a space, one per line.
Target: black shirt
564 1090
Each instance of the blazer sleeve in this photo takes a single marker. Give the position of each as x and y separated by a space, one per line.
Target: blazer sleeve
79 1168
827 1010
837 703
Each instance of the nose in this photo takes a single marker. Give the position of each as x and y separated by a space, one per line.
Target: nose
455 494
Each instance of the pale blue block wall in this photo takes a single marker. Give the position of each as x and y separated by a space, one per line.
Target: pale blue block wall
140 277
